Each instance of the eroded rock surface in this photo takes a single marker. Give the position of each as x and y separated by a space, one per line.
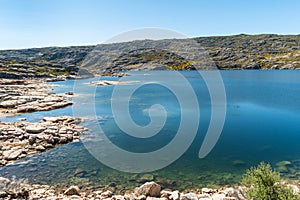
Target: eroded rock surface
20 139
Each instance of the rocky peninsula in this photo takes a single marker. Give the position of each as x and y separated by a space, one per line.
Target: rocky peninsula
25 96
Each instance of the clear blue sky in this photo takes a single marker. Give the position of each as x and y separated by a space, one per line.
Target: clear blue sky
37 23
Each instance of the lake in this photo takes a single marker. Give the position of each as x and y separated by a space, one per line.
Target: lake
262 123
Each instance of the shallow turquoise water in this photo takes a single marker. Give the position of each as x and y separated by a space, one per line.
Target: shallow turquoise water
262 124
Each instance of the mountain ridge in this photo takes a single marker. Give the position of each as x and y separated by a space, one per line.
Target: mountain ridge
236 52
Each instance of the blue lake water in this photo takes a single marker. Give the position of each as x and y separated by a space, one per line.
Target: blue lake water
261 124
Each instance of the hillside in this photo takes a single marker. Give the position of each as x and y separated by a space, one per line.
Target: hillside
267 51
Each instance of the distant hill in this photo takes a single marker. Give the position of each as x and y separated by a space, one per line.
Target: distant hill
266 51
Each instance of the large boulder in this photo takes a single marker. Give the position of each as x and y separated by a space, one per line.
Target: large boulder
148 189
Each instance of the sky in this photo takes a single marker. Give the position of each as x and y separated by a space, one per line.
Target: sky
40 23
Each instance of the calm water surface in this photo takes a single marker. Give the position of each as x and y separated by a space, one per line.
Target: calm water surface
262 124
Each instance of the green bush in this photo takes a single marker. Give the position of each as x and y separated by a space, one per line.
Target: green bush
262 183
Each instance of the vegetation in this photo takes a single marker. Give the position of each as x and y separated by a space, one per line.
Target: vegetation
265 51
263 183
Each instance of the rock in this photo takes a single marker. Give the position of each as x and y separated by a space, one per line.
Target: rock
3 194
12 154
8 104
156 198
188 196
106 194
207 190
145 178
148 189
175 195
73 190
218 196
4 181
283 163
75 197
118 197
141 197
40 148
239 163
294 188
31 140
129 197
165 193
35 128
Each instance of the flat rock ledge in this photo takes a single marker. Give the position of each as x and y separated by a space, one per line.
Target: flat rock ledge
149 191
25 96
20 139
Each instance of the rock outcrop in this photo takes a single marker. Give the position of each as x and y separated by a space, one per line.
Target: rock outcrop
24 96
20 139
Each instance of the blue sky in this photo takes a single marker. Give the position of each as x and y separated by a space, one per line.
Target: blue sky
37 23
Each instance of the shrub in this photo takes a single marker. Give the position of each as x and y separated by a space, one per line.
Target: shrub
262 183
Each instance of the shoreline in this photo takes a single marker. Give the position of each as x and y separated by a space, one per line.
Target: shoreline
148 191
19 189
20 139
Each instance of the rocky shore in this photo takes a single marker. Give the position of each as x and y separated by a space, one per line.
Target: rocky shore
19 189
24 96
20 139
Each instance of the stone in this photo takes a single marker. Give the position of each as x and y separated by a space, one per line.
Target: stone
73 190
31 140
8 104
12 154
75 197
3 194
35 128
218 196
175 195
148 189
129 197
118 197
4 181
156 198
283 163
40 148
145 178
188 196
207 190
141 197
106 194
165 193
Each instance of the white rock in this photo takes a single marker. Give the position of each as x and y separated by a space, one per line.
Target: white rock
35 128
106 194
175 195
73 190
188 196
218 196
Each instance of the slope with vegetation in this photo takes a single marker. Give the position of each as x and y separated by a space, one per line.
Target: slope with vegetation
266 51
